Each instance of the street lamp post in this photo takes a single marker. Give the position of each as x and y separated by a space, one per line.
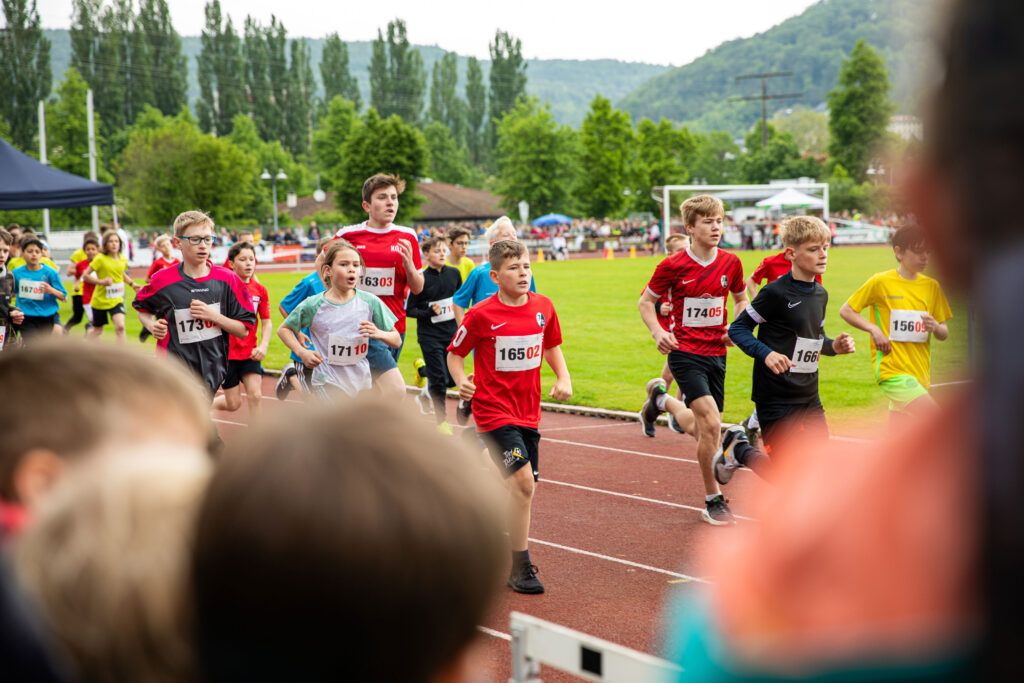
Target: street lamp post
280 175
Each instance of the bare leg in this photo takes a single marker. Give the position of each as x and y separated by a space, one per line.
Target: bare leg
231 399
253 384
520 488
709 427
684 416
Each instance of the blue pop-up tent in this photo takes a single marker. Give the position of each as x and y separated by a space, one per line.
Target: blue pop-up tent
28 184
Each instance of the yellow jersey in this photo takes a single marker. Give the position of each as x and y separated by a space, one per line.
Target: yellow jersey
465 265
105 298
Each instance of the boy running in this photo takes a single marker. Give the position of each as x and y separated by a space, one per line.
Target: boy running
907 308
458 240
698 280
166 259
790 313
78 302
38 289
510 332
192 308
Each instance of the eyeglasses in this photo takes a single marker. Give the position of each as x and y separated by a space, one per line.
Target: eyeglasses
196 240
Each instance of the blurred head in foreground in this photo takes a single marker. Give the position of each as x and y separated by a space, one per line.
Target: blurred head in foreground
349 542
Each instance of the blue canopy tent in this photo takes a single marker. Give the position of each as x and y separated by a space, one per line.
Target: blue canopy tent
552 219
28 184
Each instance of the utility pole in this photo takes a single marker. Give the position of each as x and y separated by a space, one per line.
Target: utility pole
764 97
90 127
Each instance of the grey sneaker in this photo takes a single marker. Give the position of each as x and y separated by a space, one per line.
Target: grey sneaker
717 512
724 463
750 431
674 424
649 411
523 579
283 387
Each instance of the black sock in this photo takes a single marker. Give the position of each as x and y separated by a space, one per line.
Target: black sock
754 458
741 450
520 557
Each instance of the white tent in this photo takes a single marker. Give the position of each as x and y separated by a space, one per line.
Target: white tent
791 197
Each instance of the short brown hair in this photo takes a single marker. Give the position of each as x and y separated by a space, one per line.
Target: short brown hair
6 237
797 230
363 516
503 250
237 248
331 253
699 206
91 239
676 237
109 235
457 232
375 182
907 237
90 234
89 390
187 219
430 242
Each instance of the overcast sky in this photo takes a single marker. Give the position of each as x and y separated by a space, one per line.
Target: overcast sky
662 32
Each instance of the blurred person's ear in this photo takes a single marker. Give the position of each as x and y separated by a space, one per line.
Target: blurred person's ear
36 473
931 195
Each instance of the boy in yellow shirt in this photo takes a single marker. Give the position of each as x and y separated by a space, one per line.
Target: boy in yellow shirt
907 309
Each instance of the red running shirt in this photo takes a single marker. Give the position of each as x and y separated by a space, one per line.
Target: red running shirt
699 294
774 267
509 342
87 288
385 275
241 349
159 263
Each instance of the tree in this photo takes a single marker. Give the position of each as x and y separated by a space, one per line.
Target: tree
860 110
267 155
330 136
397 77
714 160
334 72
380 146
445 104
662 153
779 159
25 77
536 159
448 163
298 103
277 73
508 74
808 127
221 73
167 64
607 141
265 115
476 111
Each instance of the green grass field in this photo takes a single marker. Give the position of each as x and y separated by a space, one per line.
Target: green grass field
611 355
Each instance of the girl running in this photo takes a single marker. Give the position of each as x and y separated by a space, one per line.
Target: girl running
109 272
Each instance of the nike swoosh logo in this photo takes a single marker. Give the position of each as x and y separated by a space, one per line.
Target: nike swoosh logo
792 305
494 327
686 282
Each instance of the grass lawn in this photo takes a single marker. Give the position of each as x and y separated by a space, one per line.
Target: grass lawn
611 355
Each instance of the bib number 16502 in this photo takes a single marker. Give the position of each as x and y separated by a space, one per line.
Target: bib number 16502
513 354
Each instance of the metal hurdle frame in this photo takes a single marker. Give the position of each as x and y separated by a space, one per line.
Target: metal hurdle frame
536 642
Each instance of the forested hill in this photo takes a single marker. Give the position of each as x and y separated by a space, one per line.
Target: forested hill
811 45
568 85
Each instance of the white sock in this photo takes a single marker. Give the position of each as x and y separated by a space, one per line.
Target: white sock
708 499
661 401
752 420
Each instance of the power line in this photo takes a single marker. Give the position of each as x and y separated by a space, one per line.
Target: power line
764 97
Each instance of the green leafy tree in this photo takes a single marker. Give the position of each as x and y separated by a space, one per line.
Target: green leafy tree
277 72
137 58
860 110
267 155
381 94
606 142
536 159
476 111
445 104
298 103
398 79
265 114
25 76
808 127
330 136
380 146
662 153
779 159
715 159
507 76
448 158
167 64
221 73
334 72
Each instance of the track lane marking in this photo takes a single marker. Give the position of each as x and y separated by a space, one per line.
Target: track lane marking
635 497
629 563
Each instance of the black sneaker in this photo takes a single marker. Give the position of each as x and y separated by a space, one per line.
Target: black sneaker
649 411
674 424
724 463
283 386
144 335
523 579
463 412
717 512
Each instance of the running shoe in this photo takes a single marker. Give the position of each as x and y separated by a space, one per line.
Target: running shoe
724 462
419 378
750 431
283 386
523 579
674 424
717 512
463 412
649 411
426 405
144 335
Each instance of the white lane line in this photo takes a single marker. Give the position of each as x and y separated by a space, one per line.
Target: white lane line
494 634
953 384
229 422
635 497
619 450
647 567
563 429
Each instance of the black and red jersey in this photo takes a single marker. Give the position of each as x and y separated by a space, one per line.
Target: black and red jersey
203 346
699 293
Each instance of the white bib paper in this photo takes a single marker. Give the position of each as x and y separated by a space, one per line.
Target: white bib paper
255 303
700 312
33 290
514 354
447 311
343 350
379 281
906 326
192 330
3 336
806 354
114 291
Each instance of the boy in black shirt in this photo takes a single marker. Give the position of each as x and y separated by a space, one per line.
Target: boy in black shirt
435 322
790 313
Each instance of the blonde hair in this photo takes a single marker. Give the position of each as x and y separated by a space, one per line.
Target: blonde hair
162 238
797 230
491 235
699 206
187 219
106 557
676 237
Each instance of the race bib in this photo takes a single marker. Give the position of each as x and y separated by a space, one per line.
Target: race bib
191 330
33 290
343 350
255 303
379 281
115 291
514 354
700 312
806 354
3 336
447 311
906 326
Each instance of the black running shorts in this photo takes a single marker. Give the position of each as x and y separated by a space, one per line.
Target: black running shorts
237 369
698 376
512 447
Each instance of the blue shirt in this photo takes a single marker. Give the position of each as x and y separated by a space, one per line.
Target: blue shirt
307 287
478 286
41 307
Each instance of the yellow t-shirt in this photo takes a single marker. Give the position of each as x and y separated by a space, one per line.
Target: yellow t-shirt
896 306
77 256
465 265
19 261
104 266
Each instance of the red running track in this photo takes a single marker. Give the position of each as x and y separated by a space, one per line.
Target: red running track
615 529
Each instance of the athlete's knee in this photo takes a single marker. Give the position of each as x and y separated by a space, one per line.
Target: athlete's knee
521 484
